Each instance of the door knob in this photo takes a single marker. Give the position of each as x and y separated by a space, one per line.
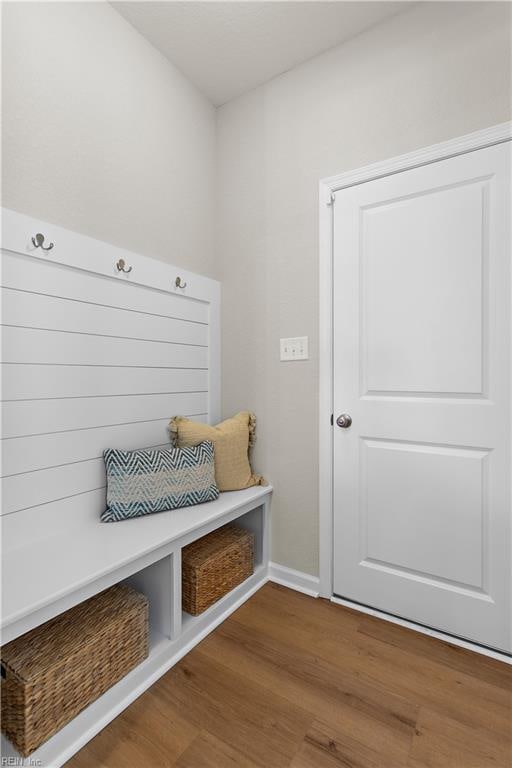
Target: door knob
344 421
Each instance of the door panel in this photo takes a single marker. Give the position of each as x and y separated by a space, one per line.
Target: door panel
438 510
422 364
404 266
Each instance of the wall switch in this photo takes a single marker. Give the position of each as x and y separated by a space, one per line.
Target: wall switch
295 349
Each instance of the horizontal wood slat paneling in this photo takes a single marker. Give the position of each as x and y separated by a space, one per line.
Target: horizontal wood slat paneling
34 417
89 362
30 274
29 382
52 519
34 488
26 454
31 310
25 345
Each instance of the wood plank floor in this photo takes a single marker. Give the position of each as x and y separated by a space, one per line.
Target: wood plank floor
290 681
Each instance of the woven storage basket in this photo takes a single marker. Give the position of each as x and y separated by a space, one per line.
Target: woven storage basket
54 671
213 565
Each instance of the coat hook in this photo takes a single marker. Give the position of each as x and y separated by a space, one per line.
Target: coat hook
38 241
121 266
179 284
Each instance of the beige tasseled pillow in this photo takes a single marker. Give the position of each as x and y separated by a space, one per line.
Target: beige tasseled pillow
231 439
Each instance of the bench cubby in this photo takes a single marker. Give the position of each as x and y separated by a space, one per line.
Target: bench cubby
145 553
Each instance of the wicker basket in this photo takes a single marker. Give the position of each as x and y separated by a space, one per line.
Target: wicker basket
54 671
213 565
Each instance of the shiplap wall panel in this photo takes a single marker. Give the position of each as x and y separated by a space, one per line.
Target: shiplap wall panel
35 488
32 310
34 452
34 417
29 274
51 519
30 382
92 359
30 345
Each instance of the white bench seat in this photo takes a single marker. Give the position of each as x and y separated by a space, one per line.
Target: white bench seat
44 573
45 577
115 381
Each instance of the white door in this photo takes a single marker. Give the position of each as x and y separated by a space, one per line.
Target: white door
422 477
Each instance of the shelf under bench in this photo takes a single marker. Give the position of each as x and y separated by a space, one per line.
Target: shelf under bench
45 578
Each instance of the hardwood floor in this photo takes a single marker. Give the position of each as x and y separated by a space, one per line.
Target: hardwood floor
292 681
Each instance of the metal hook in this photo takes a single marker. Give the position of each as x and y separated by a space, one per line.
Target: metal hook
179 284
121 264
38 241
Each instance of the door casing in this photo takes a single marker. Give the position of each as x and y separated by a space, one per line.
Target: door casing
327 189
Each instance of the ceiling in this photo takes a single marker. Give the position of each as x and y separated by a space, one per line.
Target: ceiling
227 48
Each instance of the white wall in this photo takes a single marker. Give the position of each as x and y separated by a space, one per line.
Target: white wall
102 135
434 72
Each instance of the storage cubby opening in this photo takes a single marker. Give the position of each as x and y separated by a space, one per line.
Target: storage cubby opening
252 521
156 582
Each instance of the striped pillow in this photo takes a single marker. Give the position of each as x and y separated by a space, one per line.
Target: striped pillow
146 481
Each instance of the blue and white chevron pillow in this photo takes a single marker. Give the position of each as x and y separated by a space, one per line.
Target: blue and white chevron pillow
146 481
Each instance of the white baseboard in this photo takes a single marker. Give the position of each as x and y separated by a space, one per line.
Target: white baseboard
288 577
458 641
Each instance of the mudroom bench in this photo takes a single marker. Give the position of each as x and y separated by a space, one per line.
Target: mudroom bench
56 571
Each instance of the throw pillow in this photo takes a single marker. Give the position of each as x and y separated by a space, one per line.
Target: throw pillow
146 481
232 439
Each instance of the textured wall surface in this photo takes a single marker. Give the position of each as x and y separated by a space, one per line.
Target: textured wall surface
103 136
435 72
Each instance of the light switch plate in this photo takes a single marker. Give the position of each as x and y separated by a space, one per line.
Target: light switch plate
295 349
